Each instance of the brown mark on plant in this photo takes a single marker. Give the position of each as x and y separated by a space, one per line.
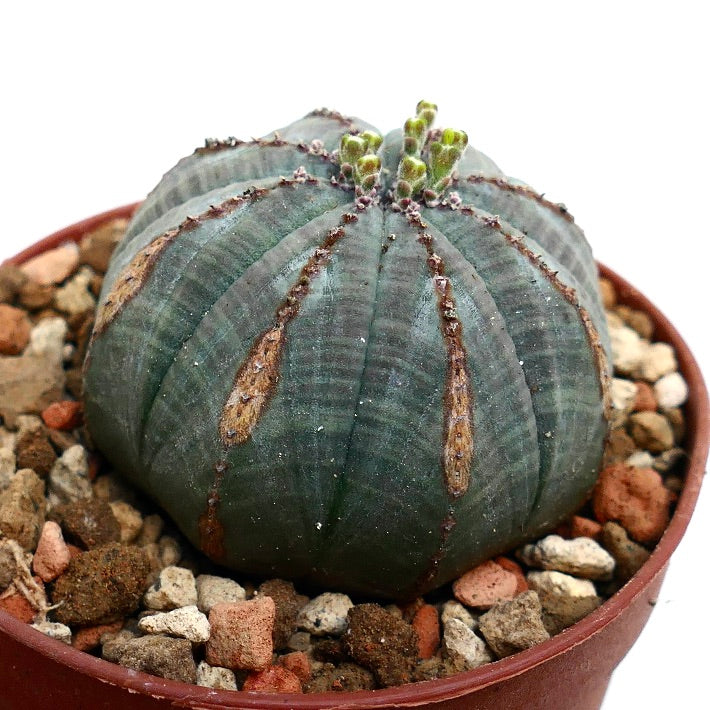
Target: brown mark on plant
457 451
210 528
133 277
257 377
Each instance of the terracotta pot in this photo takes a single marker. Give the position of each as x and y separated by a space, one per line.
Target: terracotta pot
571 670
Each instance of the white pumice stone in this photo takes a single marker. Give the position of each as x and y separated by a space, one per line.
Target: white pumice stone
581 557
623 395
671 390
326 614
187 622
640 459
174 588
550 582
61 632
461 644
215 677
213 590
627 349
455 610
658 359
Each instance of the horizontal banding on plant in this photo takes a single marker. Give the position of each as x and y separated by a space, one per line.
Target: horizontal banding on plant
130 281
257 377
521 190
567 292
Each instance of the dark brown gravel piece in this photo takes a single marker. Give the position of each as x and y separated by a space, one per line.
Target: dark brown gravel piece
87 523
618 448
344 677
382 643
34 451
158 655
677 420
637 320
8 568
329 651
34 296
100 586
559 611
75 382
95 248
288 604
628 554
11 281
80 327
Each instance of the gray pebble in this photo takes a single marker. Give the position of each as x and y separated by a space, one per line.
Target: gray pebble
327 614
61 632
581 557
300 641
174 588
565 599
186 622
212 590
23 508
455 610
69 477
8 465
514 625
461 645
158 655
215 677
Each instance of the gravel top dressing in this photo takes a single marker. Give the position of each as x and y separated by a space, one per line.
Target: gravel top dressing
86 559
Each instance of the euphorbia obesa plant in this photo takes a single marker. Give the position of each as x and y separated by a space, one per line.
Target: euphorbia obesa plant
365 363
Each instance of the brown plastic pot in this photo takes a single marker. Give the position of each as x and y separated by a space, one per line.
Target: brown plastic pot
571 670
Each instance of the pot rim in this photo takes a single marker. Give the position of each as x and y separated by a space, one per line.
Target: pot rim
421 693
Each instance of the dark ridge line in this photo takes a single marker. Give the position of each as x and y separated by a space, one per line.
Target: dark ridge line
337 500
520 190
567 292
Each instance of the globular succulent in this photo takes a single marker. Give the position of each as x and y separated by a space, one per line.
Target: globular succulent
364 363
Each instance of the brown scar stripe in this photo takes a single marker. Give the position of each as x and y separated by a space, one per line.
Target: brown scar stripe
136 273
333 115
457 451
568 293
425 579
209 527
217 146
257 377
521 190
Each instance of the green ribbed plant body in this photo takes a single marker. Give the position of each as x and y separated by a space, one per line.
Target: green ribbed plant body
329 363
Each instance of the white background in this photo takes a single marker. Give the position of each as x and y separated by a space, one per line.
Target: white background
601 106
